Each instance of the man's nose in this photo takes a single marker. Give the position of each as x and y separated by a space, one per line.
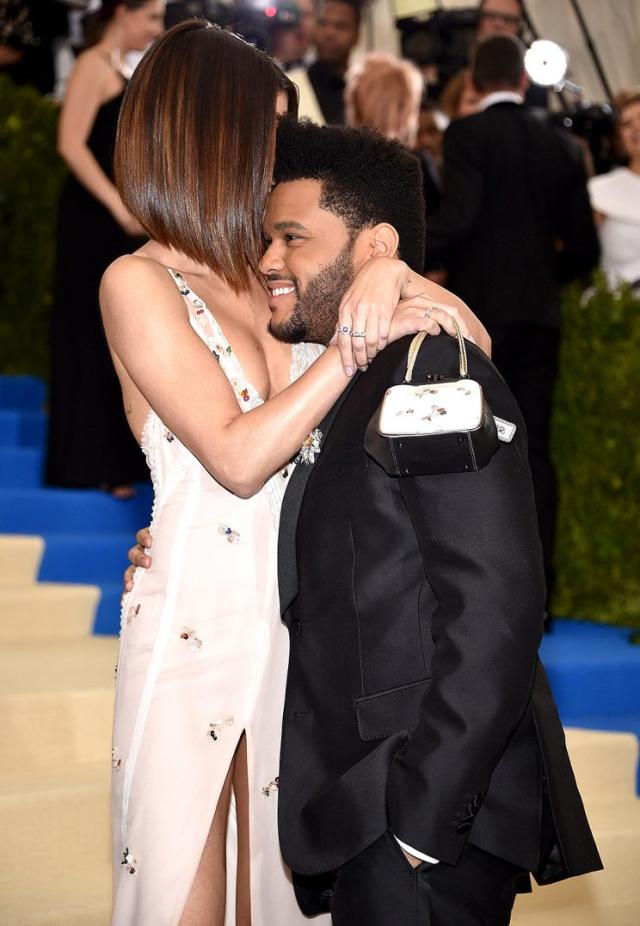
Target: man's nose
270 262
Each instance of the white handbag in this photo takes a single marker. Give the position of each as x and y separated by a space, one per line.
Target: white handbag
440 426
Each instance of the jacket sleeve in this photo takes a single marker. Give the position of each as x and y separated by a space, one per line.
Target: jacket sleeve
478 536
463 189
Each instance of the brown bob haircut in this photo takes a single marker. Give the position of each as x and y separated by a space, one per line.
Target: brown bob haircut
196 143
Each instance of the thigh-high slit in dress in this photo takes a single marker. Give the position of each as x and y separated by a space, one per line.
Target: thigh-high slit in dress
203 658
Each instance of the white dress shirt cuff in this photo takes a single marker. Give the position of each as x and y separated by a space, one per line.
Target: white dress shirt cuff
415 853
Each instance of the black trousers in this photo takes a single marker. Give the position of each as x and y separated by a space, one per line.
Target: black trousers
380 888
527 357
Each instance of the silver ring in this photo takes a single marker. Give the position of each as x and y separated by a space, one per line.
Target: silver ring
358 334
344 329
427 312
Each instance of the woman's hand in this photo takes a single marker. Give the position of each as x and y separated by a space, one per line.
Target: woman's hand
386 301
367 308
421 313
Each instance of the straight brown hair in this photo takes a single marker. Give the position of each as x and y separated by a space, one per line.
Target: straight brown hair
195 146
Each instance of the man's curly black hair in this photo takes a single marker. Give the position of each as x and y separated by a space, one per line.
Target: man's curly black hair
365 178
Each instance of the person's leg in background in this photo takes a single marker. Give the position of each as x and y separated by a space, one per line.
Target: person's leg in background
527 357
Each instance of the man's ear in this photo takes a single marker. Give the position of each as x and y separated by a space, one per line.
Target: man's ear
384 241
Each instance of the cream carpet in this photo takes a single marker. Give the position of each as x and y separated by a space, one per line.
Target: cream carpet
56 690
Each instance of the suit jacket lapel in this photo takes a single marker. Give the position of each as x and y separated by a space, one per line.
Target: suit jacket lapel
291 504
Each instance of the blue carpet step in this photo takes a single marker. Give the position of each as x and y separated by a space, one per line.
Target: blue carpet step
21 467
22 428
26 393
88 559
68 511
594 673
592 669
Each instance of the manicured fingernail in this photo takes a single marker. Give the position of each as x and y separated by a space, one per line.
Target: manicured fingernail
348 371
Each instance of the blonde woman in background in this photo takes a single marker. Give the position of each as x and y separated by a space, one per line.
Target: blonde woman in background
383 93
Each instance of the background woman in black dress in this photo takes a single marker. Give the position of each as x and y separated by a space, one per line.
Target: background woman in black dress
90 444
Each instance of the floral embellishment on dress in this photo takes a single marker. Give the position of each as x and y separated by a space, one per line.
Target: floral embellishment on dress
244 395
130 864
133 611
271 787
214 728
194 642
168 435
310 448
116 759
228 532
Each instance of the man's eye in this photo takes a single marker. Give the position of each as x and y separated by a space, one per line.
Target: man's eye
290 237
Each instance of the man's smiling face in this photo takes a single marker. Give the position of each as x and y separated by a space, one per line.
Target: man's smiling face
309 263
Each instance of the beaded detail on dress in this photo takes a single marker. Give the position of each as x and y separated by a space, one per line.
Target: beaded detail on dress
207 327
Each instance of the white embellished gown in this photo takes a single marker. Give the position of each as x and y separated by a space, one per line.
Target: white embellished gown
203 657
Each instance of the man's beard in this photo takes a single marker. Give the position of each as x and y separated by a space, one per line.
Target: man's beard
314 317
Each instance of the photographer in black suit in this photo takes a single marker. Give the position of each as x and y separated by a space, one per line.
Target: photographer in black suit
423 765
513 226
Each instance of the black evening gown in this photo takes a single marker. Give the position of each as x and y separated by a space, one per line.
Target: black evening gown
90 443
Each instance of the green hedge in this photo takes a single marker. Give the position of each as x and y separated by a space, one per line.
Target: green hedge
596 449
30 178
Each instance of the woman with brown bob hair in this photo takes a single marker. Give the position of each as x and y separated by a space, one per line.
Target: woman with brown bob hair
203 653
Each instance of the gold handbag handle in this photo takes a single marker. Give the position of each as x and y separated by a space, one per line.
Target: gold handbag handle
416 344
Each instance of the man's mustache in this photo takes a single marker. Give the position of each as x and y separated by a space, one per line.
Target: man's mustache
278 277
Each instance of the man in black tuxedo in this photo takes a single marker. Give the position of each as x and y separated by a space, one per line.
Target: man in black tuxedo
423 770
513 226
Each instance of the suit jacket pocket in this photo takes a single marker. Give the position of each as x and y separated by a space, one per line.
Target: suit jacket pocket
386 712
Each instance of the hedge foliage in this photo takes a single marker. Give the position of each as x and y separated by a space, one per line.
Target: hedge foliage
596 426
30 178
596 449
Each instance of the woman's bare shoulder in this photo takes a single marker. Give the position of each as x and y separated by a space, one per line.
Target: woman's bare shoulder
133 276
91 64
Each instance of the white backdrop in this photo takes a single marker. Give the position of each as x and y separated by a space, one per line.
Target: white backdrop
614 26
